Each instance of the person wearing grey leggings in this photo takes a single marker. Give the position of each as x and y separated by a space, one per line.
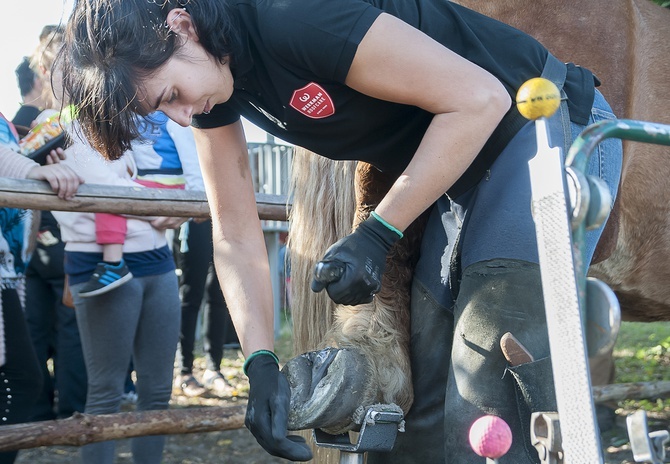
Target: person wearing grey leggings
140 319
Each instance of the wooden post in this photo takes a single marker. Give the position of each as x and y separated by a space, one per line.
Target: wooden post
631 391
140 201
82 429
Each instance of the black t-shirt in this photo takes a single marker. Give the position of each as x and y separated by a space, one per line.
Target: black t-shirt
295 55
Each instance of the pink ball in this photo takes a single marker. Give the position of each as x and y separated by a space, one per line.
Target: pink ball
490 437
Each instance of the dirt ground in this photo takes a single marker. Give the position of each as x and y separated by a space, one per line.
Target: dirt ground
240 447
227 447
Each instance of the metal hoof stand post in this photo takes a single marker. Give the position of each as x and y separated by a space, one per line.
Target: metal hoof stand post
566 202
646 447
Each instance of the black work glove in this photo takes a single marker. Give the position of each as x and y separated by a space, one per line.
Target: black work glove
267 410
352 268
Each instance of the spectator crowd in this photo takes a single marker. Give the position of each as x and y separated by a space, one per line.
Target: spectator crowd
99 310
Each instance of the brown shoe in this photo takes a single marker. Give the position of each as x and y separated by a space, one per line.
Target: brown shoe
190 386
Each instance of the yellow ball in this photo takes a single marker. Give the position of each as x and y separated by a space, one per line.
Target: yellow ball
538 98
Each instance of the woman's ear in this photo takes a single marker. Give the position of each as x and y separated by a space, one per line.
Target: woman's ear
180 22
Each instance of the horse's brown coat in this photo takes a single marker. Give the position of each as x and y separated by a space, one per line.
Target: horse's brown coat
626 43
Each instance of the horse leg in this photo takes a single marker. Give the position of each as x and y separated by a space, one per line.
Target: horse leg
373 338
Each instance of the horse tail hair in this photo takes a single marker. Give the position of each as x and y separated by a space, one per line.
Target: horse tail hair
322 212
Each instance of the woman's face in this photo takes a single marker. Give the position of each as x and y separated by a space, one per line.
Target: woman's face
190 82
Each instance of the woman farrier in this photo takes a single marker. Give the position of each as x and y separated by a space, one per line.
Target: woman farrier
421 90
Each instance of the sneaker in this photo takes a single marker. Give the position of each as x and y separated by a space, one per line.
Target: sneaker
189 385
129 398
217 383
105 278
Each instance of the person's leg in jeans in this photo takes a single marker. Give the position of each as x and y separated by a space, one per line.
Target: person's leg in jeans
214 297
70 368
216 312
54 331
191 288
20 376
107 326
41 320
153 356
214 322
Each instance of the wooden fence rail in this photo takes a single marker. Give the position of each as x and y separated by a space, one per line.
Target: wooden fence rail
140 201
82 429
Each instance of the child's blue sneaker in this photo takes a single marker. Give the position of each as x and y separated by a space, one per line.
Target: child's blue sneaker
106 277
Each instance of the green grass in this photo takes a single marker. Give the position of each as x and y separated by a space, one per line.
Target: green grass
642 354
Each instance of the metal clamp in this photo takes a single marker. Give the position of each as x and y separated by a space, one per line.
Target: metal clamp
378 432
545 435
646 446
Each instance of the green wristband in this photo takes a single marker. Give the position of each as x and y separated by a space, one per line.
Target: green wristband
386 224
258 353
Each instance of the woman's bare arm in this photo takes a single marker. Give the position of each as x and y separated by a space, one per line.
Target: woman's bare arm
396 62
240 255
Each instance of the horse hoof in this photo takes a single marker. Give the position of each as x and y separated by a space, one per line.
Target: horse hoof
327 387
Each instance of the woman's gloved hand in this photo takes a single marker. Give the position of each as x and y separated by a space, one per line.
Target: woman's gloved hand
352 268
267 409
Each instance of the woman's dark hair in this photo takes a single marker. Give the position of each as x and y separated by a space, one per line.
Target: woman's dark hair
112 45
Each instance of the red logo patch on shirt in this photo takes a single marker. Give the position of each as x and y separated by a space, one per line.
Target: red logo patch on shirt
313 101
